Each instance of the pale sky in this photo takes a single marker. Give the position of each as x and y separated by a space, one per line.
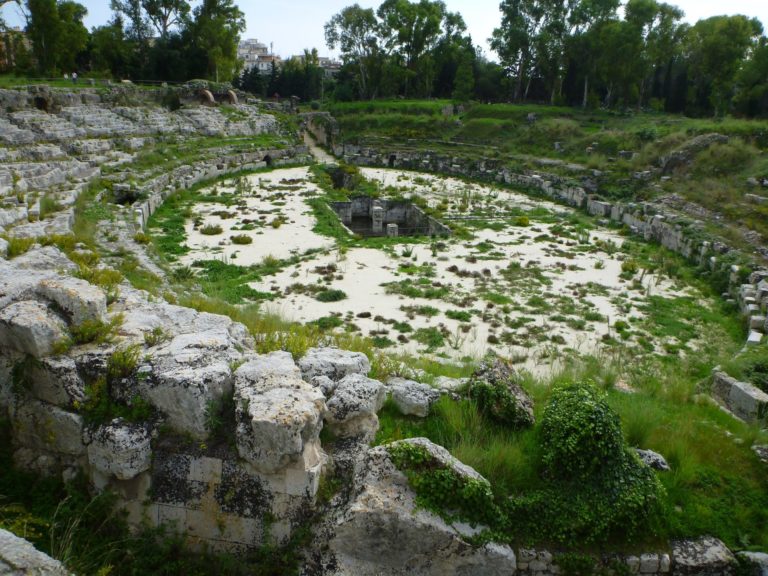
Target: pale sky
293 25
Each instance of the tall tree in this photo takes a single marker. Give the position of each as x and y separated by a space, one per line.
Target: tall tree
164 14
410 31
464 83
73 37
515 40
216 31
354 32
658 31
752 83
110 50
716 48
138 28
44 31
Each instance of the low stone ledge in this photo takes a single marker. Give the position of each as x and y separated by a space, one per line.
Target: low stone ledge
740 398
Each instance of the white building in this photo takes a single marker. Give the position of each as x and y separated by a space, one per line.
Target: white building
254 54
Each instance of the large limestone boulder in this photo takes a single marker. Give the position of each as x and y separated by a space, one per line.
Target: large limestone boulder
353 407
333 363
31 328
81 301
384 531
120 449
495 386
703 557
185 388
273 364
278 414
19 558
189 367
44 258
412 398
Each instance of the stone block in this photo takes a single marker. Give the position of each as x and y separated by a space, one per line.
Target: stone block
174 517
278 416
665 564
121 449
703 556
205 469
79 299
31 328
649 563
45 427
333 363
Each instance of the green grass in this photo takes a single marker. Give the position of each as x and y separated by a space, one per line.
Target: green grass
717 483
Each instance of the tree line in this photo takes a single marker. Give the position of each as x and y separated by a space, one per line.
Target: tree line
144 40
576 52
573 52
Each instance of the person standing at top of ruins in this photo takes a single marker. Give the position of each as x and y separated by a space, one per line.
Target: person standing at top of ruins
74 77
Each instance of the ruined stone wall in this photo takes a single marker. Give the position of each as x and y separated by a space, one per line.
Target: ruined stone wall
247 481
159 189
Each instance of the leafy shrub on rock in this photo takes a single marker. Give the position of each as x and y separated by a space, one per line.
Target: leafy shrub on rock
500 397
596 486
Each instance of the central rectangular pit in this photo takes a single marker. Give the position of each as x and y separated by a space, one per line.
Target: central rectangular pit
371 217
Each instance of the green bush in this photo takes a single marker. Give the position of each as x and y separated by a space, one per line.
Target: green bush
211 230
596 488
441 490
580 433
242 239
330 295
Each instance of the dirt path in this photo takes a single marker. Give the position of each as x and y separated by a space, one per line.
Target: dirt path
319 154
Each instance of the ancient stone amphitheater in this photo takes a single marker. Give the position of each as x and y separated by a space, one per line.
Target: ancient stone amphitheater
167 469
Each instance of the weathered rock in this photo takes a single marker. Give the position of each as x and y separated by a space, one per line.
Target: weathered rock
333 363
688 151
44 258
31 328
653 459
20 558
325 384
450 384
4 247
757 563
412 398
56 380
742 398
273 364
48 428
278 415
120 449
352 408
703 557
383 531
81 301
495 387
185 393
